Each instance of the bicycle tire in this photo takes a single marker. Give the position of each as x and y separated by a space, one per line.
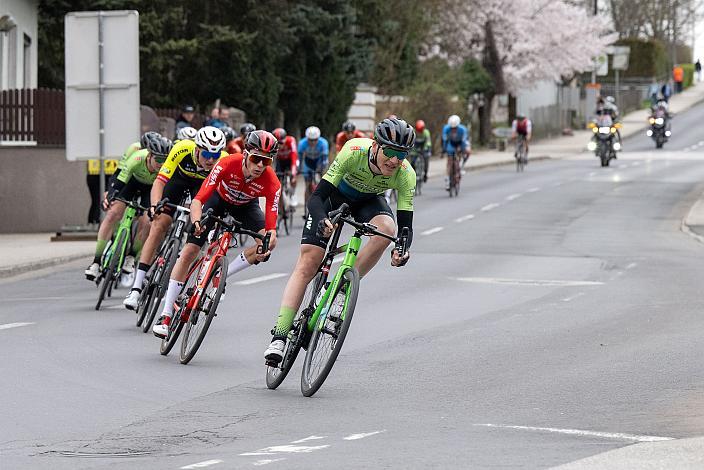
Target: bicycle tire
310 385
110 271
276 375
177 325
420 167
188 352
162 276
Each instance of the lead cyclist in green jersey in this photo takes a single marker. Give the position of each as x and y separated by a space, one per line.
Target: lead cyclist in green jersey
360 174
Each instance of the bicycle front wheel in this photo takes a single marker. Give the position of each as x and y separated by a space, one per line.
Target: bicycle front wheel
161 277
110 275
329 334
298 335
204 312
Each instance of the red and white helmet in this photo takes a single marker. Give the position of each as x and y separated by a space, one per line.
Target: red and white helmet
262 143
210 139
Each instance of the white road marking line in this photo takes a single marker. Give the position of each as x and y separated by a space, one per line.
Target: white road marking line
256 280
114 307
593 173
584 433
571 298
432 230
513 196
464 217
632 265
259 463
489 207
354 437
205 463
286 449
533 190
7 326
559 183
635 164
306 439
34 299
528 282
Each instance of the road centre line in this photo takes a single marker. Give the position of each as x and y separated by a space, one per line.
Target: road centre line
286 449
309 438
354 437
205 463
464 217
432 230
572 297
527 282
489 207
256 280
513 196
533 190
7 326
585 433
259 463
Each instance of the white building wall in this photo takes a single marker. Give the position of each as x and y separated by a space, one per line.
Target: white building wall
12 45
363 109
542 94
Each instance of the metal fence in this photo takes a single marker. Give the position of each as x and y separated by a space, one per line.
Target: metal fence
33 115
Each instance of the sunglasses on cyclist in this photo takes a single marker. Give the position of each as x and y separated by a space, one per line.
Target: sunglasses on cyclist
256 159
209 155
159 158
391 153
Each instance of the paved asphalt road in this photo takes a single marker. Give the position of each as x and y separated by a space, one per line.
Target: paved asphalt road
544 317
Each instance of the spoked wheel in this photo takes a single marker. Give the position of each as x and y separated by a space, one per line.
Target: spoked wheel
419 169
283 215
297 336
455 179
144 301
109 276
161 278
329 334
203 313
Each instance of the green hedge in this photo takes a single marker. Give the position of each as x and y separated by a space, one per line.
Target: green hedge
648 58
688 78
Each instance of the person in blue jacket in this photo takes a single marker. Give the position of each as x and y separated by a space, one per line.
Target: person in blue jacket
455 142
313 156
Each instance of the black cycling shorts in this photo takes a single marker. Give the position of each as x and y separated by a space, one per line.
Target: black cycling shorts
283 166
177 188
249 214
134 189
362 211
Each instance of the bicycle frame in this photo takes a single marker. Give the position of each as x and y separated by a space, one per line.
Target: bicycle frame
124 226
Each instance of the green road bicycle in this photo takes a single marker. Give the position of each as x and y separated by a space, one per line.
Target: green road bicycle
114 254
418 163
322 325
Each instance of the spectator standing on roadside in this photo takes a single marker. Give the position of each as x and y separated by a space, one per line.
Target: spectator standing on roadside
678 77
214 119
698 69
185 119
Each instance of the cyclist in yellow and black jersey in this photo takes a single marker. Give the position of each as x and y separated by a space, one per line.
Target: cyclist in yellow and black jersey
187 166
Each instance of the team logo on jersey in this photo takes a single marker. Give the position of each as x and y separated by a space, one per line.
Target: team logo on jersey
214 175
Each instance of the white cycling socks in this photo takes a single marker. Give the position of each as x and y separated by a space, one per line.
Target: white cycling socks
238 264
139 279
170 297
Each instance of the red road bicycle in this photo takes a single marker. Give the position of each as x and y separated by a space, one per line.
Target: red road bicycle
198 300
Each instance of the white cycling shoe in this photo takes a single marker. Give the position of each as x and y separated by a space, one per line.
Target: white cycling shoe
132 300
161 328
92 272
128 265
275 351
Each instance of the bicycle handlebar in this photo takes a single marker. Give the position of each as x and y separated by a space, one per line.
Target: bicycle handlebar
165 203
131 204
343 212
234 225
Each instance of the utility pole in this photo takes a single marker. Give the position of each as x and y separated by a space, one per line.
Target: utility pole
596 7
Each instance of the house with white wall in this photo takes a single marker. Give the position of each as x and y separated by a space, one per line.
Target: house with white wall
18 44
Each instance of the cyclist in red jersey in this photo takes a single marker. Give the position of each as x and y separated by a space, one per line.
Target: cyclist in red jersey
233 187
349 131
287 156
231 147
239 142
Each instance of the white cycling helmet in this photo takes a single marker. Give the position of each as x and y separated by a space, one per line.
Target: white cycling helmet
211 139
312 133
186 133
453 120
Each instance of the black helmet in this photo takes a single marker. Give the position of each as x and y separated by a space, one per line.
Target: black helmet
146 137
159 147
246 128
229 133
396 133
263 142
349 126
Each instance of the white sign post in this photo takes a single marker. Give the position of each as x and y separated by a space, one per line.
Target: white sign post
619 62
102 84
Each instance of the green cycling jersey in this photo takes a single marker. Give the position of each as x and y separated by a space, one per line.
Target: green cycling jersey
351 174
136 165
423 141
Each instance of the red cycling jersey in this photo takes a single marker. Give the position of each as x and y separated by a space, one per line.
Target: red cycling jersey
233 147
342 138
288 151
227 177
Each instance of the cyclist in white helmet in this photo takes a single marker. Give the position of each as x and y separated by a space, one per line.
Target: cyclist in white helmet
455 141
186 133
313 155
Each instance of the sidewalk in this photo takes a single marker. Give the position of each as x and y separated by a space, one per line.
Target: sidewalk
20 253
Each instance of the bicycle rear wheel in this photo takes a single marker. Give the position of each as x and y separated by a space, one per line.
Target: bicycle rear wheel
109 276
204 312
420 168
297 336
178 319
161 277
329 334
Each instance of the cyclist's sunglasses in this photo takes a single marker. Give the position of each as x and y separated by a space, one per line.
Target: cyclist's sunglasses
391 153
256 159
159 158
209 155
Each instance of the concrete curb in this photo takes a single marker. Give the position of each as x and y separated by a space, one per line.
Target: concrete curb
16 270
